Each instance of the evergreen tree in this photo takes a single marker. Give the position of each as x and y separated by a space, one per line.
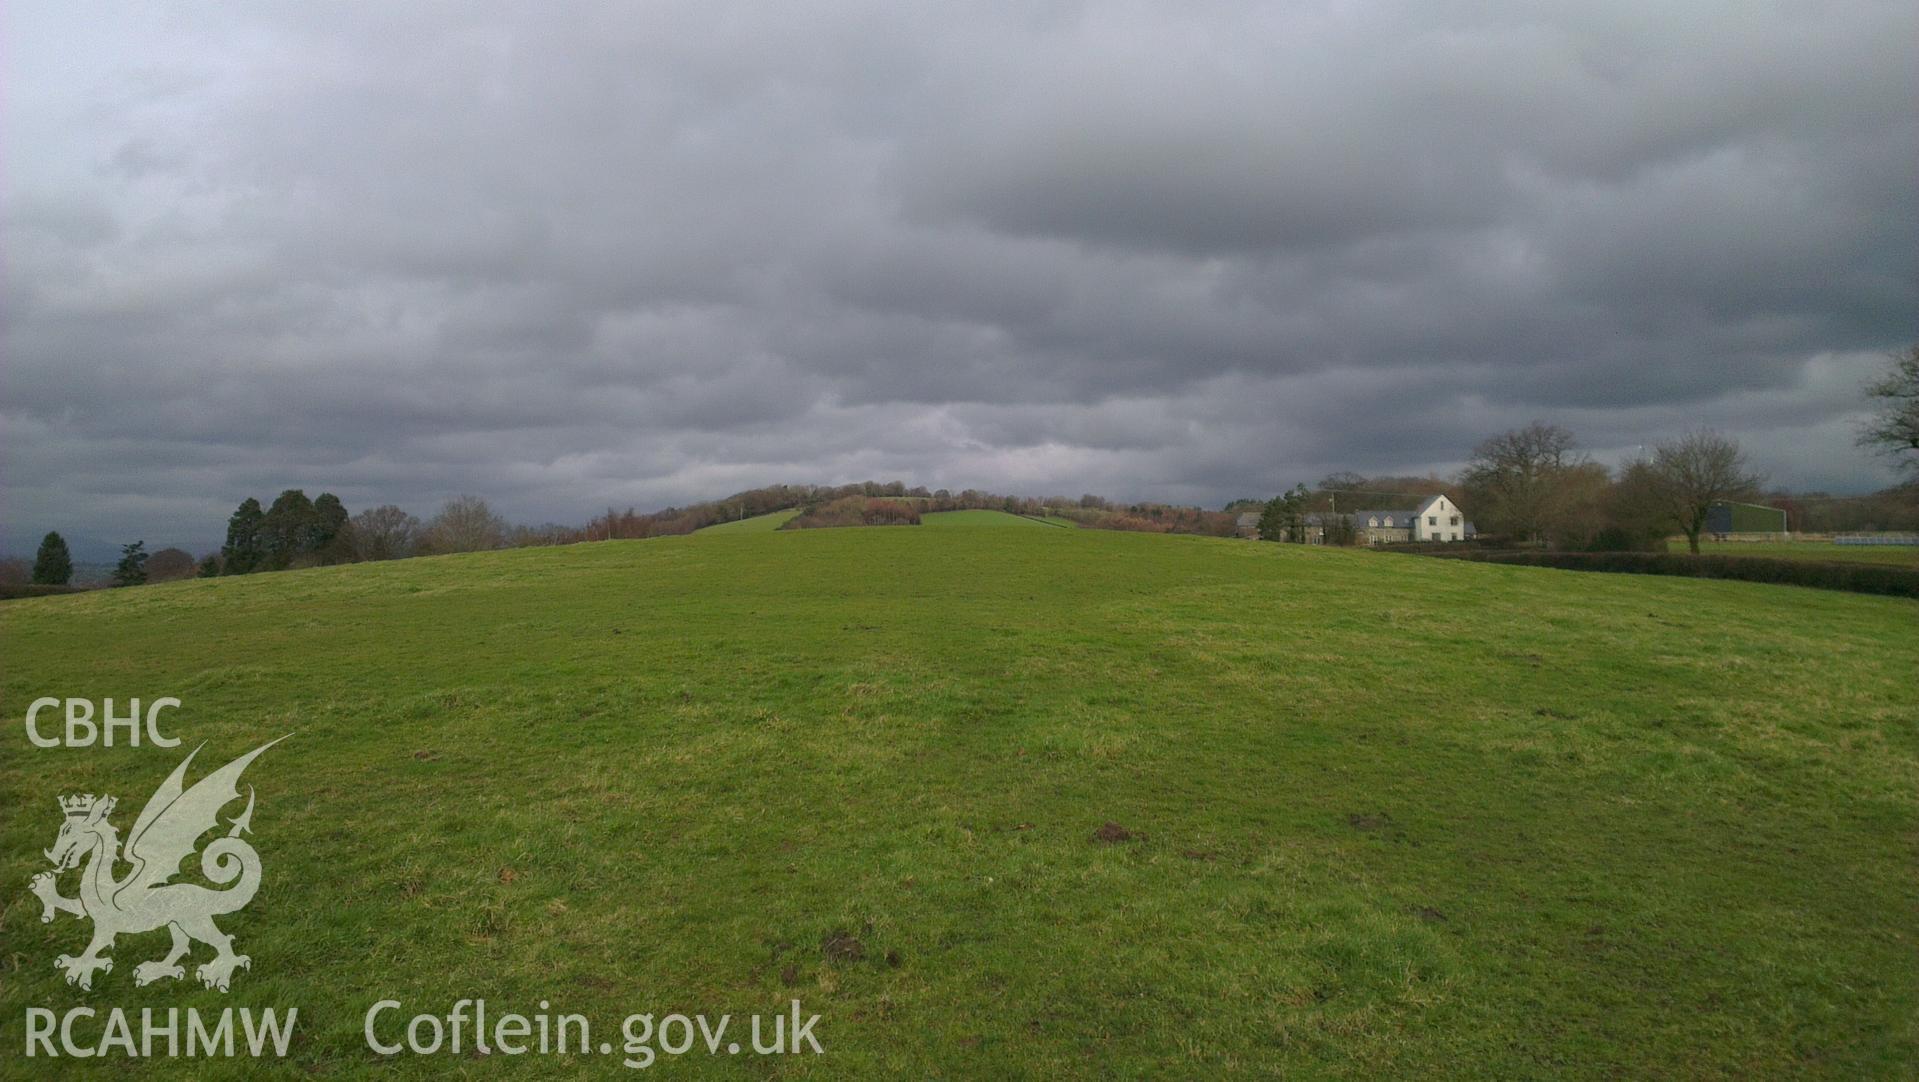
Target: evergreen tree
287 530
1284 518
53 565
210 566
1272 519
241 554
329 538
132 568
1293 505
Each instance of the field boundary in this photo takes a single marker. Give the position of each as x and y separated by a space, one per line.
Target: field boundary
1860 578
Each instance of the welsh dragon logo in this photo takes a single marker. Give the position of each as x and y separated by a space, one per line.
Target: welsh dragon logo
142 900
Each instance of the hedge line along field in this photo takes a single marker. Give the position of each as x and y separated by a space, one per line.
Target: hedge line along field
1021 802
1895 555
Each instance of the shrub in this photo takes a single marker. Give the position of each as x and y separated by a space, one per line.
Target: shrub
10 591
856 511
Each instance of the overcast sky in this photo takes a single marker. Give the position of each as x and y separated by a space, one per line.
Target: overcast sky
571 255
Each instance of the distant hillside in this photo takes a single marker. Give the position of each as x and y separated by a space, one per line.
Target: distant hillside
91 550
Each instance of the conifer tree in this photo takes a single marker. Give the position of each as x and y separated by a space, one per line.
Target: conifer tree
241 554
132 568
53 564
287 530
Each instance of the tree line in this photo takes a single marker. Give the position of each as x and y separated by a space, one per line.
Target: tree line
1533 486
294 532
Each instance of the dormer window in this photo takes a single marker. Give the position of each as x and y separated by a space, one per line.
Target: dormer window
1373 522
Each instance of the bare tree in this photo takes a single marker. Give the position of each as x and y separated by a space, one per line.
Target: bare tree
1342 481
1577 513
171 563
1634 510
1516 479
1694 472
383 533
464 524
1894 429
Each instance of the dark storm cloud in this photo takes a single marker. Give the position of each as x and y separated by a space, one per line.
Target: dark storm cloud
583 254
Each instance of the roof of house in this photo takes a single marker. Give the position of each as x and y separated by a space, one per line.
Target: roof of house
1249 518
1428 502
1400 517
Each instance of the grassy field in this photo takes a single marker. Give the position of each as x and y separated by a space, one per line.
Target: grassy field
1894 555
977 520
756 524
1368 815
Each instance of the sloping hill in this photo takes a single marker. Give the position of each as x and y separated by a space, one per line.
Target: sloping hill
1006 802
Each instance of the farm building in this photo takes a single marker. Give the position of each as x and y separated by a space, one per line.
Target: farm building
1727 517
1436 519
1382 527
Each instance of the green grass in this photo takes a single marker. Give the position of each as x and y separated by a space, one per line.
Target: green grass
1390 817
757 524
1895 555
975 520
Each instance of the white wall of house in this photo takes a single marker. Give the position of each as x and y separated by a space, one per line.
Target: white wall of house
1439 520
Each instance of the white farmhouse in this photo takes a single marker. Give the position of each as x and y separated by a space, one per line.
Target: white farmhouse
1435 519
1438 519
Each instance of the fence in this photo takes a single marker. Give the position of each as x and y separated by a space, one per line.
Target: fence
1876 539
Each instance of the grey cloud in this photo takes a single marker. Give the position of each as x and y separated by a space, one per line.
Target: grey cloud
596 253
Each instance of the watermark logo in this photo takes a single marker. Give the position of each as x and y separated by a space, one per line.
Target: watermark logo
166 832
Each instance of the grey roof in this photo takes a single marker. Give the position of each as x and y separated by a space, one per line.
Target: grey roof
1248 518
1402 518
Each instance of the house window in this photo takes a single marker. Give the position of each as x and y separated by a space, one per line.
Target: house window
1432 520
1455 521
